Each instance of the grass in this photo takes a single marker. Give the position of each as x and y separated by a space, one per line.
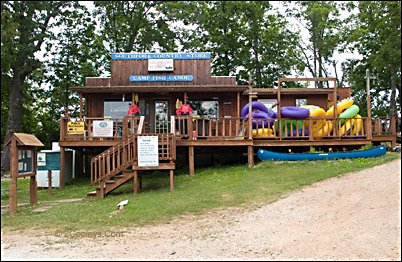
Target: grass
214 187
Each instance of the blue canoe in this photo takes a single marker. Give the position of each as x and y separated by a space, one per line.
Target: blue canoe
269 155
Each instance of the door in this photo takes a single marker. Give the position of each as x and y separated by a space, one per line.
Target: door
161 123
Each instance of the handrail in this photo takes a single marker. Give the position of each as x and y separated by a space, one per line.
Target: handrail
119 157
113 160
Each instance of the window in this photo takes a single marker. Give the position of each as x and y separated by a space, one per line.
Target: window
205 108
301 101
115 109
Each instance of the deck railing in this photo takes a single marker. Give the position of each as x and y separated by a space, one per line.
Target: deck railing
212 128
190 127
121 128
314 128
384 126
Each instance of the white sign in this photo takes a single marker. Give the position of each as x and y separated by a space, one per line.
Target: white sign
41 157
160 65
103 128
148 151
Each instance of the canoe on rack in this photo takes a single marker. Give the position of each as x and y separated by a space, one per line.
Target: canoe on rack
270 155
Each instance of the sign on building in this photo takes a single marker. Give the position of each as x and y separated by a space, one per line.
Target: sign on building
165 65
75 128
103 128
147 151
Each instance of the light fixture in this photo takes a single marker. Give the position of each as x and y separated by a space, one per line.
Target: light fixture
123 98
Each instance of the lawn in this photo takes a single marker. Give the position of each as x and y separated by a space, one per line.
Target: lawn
214 187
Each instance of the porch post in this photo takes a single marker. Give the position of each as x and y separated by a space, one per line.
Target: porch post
62 166
369 127
250 150
80 105
191 160
12 201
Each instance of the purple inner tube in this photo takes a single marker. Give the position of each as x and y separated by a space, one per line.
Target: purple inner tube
300 131
254 106
257 121
294 112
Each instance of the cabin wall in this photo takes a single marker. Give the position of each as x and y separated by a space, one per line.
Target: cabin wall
199 69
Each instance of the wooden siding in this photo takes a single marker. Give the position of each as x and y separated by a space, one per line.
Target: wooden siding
199 69
97 81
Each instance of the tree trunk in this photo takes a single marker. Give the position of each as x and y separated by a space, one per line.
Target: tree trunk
392 111
257 61
14 115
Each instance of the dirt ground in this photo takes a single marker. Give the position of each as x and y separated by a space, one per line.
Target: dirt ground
354 217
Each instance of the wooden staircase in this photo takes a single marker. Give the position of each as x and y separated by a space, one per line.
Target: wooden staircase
111 168
112 184
118 164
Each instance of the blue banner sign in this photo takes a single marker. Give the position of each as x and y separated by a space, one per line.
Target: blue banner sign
146 56
161 78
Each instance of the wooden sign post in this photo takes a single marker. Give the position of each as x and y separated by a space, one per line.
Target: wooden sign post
22 164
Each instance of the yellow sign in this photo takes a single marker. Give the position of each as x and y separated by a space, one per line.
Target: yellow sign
75 128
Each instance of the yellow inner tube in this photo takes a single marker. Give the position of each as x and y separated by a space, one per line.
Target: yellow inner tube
263 132
355 124
315 111
340 106
325 130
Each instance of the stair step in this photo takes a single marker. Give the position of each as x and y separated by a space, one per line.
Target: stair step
118 176
110 181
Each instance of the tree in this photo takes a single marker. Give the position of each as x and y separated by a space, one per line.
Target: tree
375 32
243 37
272 47
26 26
128 26
321 20
75 54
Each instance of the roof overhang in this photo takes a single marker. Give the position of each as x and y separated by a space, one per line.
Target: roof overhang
153 89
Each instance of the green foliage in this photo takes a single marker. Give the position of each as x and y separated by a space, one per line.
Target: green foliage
375 33
321 20
367 146
243 37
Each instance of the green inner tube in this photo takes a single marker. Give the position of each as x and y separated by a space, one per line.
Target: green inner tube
295 123
351 112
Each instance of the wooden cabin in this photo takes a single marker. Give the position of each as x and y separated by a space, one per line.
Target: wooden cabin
158 83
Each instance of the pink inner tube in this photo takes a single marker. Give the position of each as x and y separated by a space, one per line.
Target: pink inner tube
294 112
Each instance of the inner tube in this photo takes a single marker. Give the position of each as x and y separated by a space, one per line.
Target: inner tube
294 112
300 132
287 125
325 130
263 132
254 106
260 119
257 114
353 125
350 112
341 106
315 111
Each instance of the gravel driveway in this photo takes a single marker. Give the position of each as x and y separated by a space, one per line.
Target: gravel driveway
353 217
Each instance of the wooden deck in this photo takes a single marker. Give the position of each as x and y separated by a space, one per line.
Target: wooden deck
190 132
